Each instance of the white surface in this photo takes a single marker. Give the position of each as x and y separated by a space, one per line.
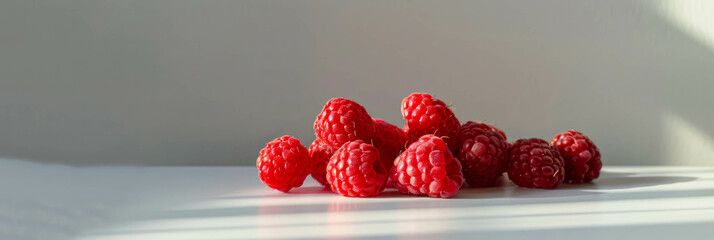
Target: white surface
211 203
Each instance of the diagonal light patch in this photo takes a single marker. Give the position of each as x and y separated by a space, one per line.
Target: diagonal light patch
686 145
423 220
694 17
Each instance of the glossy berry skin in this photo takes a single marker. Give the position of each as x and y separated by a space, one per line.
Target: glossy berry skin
534 163
320 154
390 140
342 120
483 154
582 157
355 170
427 167
428 115
283 163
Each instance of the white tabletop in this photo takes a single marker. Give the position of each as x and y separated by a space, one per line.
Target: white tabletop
211 203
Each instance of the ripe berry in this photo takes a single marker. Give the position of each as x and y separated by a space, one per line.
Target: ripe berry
320 154
343 120
582 157
483 154
428 115
390 140
427 167
283 163
534 163
355 170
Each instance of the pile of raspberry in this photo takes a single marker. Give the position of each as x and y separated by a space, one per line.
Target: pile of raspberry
433 155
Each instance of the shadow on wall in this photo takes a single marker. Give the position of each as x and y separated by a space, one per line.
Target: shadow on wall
690 140
208 83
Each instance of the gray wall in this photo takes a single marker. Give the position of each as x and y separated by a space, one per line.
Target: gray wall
169 82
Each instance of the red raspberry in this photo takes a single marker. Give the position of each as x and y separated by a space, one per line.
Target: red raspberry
427 167
495 129
320 154
582 157
428 115
483 154
508 153
390 140
343 120
356 171
509 145
283 163
534 163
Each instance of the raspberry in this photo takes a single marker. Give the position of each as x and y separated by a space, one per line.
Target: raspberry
508 153
283 163
428 115
534 163
390 140
320 154
427 167
356 171
343 120
483 154
582 157
493 128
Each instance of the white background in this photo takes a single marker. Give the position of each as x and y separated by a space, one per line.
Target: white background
209 82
